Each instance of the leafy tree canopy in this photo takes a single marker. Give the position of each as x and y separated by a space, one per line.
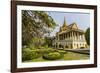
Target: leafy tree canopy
87 36
35 24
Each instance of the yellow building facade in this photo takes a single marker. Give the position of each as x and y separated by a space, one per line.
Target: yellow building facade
70 36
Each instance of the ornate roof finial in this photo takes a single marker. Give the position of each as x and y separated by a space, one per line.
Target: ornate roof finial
64 24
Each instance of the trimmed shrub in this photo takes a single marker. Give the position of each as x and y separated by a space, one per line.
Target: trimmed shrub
62 51
49 50
46 50
28 54
52 56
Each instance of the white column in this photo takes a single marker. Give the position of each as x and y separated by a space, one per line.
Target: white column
83 37
57 45
68 36
61 37
77 36
65 35
80 37
58 36
72 34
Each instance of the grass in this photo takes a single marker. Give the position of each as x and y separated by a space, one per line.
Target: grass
66 56
75 56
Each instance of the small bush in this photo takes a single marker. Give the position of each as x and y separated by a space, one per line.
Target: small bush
28 54
32 48
46 50
49 50
62 51
52 56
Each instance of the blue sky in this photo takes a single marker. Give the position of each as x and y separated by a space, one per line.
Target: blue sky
82 19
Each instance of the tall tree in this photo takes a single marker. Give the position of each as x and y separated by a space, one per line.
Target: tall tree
35 24
48 41
87 36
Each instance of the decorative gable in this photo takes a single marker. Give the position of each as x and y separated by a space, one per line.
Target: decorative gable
74 26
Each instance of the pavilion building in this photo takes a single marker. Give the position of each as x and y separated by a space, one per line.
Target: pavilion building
70 36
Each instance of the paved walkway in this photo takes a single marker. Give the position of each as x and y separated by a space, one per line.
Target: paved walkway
82 51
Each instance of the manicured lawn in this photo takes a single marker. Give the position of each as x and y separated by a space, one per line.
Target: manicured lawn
74 56
66 56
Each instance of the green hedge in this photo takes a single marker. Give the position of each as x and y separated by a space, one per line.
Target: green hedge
46 53
52 56
28 54
62 51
